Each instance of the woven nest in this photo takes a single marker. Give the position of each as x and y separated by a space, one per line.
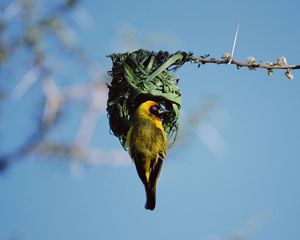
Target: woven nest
140 76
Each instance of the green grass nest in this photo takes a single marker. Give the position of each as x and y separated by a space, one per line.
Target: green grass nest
139 76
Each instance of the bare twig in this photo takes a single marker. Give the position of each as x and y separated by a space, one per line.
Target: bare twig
239 64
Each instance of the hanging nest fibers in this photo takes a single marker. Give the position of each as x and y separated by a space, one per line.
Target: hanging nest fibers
139 76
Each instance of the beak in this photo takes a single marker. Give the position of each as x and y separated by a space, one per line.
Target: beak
163 110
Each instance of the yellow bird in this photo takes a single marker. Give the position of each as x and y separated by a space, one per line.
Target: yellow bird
147 143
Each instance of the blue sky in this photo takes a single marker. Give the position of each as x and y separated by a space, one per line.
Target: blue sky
243 182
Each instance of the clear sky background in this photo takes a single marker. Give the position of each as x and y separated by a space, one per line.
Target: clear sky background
237 175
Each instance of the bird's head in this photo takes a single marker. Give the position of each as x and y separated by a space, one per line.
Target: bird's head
151 109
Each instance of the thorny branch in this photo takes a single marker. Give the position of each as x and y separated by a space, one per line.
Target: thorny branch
240 64
251 64
281 63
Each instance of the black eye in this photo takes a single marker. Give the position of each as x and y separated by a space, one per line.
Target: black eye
154 110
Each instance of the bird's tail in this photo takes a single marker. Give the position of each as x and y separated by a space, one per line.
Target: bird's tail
151 197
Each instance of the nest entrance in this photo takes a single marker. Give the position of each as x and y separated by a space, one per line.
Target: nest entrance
140 76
